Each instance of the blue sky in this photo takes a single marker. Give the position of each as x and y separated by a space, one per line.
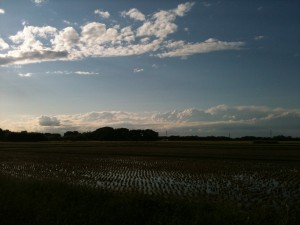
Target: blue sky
193 68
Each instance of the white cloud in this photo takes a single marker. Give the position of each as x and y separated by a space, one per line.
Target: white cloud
161 25
69 23
138 70
48 121
86 73
40 44
94 34
182 9
182 49
3 44
25 74
2 11
101 13
126 34
24 22
134 14
31 33
66 39
217 120
39 2
65 72
61 72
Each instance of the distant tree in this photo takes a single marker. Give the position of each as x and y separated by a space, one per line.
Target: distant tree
150 135
104 134
52 137
73 136
122 134
1 134
136 135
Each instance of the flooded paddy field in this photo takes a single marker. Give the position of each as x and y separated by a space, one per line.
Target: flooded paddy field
242 172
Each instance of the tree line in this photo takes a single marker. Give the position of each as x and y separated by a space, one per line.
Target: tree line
254 139
124 134
101 134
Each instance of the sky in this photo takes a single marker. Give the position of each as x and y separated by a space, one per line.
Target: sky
189 67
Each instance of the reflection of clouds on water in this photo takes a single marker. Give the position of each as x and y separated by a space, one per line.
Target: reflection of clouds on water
171 178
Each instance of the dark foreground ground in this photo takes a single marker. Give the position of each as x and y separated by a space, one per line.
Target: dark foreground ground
149 183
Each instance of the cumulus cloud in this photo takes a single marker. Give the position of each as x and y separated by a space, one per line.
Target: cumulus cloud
134 14
66 39
102 13
161 24
35 44
182 9
3 44
48 121
217 120
2 11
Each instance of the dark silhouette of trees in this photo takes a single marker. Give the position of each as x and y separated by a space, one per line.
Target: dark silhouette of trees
104 134
73 136
121 134
7 135
124 134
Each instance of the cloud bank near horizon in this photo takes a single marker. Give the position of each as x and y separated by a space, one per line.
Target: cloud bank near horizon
218 120
145 34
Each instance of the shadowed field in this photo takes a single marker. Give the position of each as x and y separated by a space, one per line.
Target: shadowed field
248 178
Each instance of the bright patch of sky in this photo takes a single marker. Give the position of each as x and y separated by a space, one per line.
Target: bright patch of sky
72 62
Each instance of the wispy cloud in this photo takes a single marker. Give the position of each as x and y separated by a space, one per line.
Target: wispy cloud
86 73
138 70
182 49
148 35
25 74
2 11
154 66
259 37
66 72
217 120
260 8
69 23
59 72
206 4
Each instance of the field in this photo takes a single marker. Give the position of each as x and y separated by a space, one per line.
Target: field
253 179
